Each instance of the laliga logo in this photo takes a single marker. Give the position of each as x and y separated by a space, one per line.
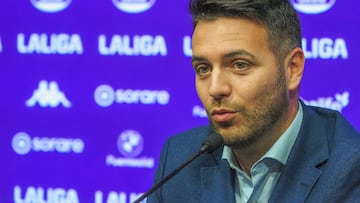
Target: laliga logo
134 6
130 143
312 6
51 6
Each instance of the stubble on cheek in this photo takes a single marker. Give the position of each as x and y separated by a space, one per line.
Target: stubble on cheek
254 121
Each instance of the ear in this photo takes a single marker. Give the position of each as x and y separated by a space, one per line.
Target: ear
294 65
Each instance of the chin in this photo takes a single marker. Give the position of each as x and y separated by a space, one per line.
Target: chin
239 138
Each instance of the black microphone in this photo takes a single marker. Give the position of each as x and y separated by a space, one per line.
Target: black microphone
210 144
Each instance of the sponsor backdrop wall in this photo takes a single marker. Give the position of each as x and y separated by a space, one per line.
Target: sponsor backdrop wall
90 90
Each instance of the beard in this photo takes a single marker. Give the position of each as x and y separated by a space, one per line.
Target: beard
257 118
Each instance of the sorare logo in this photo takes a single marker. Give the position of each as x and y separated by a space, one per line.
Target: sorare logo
134 6
313 6
22 143
105 96
51 6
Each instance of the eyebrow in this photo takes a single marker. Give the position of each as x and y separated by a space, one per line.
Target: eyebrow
231 54
240 52
198 58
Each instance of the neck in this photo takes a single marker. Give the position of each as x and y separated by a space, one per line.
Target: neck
248 156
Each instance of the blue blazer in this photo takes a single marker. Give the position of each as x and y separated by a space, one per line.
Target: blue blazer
323 166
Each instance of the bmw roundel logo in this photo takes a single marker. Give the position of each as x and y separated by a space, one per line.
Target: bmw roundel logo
133 6
130 143
312 6
51 6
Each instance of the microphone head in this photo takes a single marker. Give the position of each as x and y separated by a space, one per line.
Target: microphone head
212 142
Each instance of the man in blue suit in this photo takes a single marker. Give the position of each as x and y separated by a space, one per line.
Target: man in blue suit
249 64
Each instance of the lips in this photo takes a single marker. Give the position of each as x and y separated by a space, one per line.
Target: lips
222 115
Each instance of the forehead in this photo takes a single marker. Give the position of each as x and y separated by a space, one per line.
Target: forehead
223 34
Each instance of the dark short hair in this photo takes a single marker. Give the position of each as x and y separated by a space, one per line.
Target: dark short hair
277 16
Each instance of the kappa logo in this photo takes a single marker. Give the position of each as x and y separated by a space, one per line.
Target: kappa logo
133 6
48 94
313 6
51 6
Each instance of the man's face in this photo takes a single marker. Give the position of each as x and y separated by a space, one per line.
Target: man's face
238 79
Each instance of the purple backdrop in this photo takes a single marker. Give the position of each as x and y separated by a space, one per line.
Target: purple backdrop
90 91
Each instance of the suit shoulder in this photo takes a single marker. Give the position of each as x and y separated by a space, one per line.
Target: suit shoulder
333 118
340 131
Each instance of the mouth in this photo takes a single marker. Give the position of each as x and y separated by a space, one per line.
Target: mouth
222 115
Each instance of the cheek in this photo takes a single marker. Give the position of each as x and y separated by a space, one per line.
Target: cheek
248 88
254 88
269 77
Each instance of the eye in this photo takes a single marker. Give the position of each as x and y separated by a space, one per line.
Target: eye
202 69
240 66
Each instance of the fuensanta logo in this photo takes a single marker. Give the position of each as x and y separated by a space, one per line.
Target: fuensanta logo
312 6
130 143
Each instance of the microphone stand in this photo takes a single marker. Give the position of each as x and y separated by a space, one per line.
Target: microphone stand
164 180
210 144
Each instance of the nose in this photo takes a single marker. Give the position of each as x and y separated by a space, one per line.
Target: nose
220 86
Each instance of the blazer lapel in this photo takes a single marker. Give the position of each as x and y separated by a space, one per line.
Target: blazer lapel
303 167
217 181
